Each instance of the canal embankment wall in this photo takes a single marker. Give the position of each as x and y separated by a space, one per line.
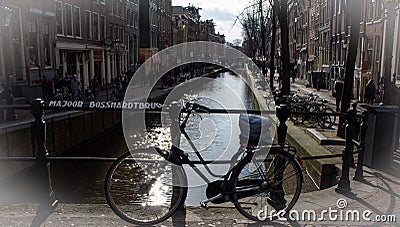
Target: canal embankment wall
64 131
324 172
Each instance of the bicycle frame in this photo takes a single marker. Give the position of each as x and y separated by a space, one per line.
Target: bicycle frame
178 157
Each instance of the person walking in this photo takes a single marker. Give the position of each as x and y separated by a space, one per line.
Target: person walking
95 88
294 74
75 87
338 87
370 91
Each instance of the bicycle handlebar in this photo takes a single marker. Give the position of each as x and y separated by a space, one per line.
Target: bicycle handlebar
200 108
190 107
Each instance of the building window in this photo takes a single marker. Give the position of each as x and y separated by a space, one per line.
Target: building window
121 9
77 21
377 54
116 32
136 20
102 26
68 19
96 26
121 34
128 16
370 49
370 10
88 25
46 43
114 7
398 54
59 19
15 25
378 9
110 31
32 43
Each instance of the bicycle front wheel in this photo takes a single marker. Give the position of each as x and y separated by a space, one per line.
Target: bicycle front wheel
147 193
264 188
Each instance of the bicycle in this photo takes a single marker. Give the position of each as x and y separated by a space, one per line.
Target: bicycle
324 114
258 180
117 93
63 94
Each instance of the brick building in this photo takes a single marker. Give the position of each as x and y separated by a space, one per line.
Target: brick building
370 47
27 51
164 23
148 29
65 37
90 39
132 32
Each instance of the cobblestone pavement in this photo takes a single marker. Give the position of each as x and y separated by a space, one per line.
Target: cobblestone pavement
378 195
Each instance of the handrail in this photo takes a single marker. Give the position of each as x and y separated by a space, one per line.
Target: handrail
112 159
122 105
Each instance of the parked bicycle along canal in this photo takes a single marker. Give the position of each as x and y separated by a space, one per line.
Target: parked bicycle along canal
217 136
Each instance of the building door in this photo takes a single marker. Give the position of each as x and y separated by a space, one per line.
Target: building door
71 63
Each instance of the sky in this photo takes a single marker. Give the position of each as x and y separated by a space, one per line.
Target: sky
224 13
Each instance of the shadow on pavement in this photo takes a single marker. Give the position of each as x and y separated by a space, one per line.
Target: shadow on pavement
391 202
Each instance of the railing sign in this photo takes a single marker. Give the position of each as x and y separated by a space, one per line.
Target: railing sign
110 105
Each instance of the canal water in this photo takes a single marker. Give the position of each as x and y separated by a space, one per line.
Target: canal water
216 136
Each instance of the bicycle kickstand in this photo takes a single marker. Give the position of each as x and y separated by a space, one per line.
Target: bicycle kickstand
204 203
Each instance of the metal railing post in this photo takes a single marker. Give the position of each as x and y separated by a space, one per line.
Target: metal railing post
47 201
276 199
179 217
282 112
363 133
1 109
344 182
11 115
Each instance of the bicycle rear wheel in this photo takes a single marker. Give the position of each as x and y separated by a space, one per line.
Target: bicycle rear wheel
296 118
144 194
327 120
263 189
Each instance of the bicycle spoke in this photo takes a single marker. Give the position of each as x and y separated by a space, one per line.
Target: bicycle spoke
140 194
280 190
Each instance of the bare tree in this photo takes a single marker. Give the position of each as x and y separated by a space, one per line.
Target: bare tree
250 24
273 27
237 42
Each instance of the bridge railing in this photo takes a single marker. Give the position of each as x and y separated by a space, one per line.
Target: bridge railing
355 120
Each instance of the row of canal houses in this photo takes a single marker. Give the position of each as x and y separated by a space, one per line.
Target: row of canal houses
319 33
89 38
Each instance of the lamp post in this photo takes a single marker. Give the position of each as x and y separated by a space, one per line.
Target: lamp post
6 20
117 46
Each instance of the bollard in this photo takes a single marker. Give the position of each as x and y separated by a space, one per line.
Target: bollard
10 115
344 182
363 134
282 112
47 200
178 218
1 109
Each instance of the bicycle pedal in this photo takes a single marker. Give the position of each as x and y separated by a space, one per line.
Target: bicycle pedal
204 205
